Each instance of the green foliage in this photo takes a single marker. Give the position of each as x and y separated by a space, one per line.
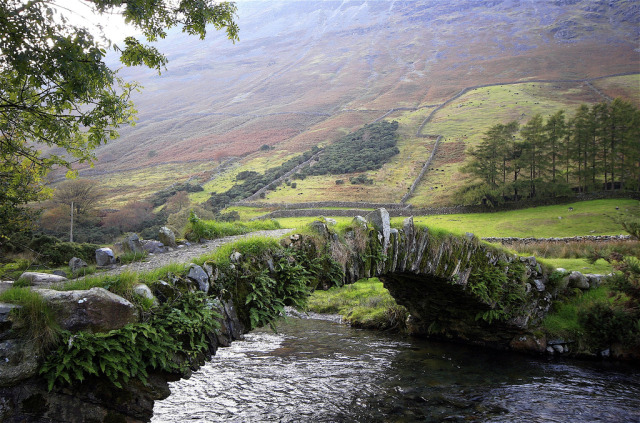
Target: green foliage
161 197
361 179
265 279
57 90
34 318
365 303
54 252
13 270
368 148
173 337
271 291
132 256
631 225
210 229
501 287
595 150
603 316
605 323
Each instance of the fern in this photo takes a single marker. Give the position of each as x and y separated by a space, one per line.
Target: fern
129 352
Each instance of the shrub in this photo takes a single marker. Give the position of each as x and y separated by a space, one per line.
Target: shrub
605 323
54 252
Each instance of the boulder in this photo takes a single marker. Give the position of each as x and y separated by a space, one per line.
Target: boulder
528 343
330 221
60 273
594 280
235 257
18 361
132 244
94 310
198 275
578 280
76 264
167 237
164 291
144 291
407 227
539 284
320 228
359 221
105 257
37 279
153 247
5 321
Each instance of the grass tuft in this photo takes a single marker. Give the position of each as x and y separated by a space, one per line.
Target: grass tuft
34 317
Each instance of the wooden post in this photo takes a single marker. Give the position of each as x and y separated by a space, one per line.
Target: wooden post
71 228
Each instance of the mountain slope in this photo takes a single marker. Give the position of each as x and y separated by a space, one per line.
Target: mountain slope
303 73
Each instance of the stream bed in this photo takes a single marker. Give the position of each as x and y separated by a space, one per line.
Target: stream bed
316 370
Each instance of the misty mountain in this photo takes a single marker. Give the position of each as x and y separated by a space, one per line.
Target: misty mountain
303 72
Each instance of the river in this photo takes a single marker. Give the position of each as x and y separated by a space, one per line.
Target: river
320 371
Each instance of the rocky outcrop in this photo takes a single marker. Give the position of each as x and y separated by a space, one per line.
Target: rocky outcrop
25 397
153 247
39 279
132 244
93 310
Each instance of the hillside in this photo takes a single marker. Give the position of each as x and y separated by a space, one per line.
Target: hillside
305 73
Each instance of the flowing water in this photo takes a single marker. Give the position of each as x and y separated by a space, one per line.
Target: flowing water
321 371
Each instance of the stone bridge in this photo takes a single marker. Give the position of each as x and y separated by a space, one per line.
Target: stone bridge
454 287
457 288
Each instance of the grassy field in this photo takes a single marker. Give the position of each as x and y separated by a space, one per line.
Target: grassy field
587 218
366 303
390 182
463 122
600 267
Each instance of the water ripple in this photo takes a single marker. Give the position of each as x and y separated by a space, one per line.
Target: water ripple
320 371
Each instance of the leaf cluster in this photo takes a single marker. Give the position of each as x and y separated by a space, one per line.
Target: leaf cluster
500 287
173 337
56 91
595 150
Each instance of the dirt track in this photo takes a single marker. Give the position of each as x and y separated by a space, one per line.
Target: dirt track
188 253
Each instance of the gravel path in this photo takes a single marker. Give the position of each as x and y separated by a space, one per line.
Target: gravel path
187 254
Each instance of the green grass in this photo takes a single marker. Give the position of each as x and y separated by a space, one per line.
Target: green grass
34 317
132 256
600 267
365 303
594 217
252 246
300 222
562 321
212 229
